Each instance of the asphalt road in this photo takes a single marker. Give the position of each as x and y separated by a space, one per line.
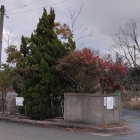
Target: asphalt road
15 131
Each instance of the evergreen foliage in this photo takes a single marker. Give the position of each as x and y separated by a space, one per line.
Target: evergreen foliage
37 67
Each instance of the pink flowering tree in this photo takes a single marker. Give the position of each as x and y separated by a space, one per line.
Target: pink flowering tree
84 71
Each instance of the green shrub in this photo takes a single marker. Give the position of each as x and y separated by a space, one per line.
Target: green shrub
21 110
38 109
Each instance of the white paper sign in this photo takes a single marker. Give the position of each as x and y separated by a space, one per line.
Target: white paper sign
110 103
19 101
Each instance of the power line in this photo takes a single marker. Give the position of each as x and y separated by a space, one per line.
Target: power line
27 11
22 6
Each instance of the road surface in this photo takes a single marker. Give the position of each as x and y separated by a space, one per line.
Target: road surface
15 131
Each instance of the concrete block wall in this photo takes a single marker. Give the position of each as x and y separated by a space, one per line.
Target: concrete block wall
9 104
90 108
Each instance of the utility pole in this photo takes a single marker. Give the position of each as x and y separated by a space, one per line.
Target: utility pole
2 12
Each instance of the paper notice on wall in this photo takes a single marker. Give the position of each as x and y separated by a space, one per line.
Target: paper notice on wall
109 103
19 101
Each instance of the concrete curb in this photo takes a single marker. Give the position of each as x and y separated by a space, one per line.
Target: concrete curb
84 128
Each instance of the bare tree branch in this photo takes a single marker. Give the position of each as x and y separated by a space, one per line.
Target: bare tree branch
127 42
74 16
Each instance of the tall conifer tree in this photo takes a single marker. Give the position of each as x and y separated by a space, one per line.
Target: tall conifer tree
37 66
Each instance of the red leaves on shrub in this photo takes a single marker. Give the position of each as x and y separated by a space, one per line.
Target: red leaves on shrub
87 69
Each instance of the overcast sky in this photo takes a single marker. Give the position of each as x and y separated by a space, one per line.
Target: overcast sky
101 17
